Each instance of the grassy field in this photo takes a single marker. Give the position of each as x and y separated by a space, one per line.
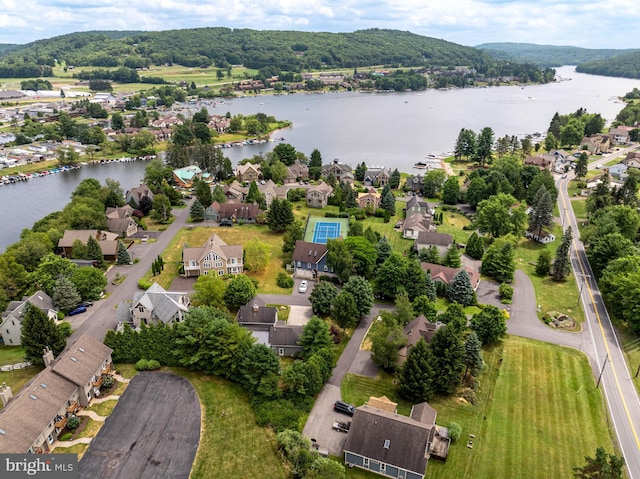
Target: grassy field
11 355
529 422
452 223
579 206
17 378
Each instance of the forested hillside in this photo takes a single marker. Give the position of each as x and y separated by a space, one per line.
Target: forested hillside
548 55
626 66
222 47
7 46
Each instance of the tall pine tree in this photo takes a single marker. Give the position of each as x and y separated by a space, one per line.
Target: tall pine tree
39 332
94 251
541 214
123 254
416 375
561 264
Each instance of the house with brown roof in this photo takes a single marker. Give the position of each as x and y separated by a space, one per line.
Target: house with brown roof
297 172
159 306
370 199
393 445
310 260
33 420
108 242
232 211
632 160
415 224
249 172
415 330
318 195
541 162
619 135
596 144
215 257
134 195
11 322
120 221
426 239
444 274
235 191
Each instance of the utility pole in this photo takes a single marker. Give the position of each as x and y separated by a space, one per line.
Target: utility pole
602 371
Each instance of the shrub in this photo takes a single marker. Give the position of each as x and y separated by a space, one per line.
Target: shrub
330 214
284 280
279 415
506 293
142 365
73 422
152 365
455 431
66 436
380 213
144 284
108 381
65 329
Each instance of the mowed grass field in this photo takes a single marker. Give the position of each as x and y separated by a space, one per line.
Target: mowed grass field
538 420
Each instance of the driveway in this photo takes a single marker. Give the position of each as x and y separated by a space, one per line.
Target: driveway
153 432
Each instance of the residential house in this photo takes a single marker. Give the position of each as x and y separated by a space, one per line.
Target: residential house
370 199
156 305
108 242
264 326
541 236
619 136
11 322
426 239
444 274
632 160
543 162
418 328
215 256
417 205
415 183
318 195
184 177
297 172
393 445
34 419
376 176
249 172
596 144
329 78
415 224
270 191
310 260
235 191
618 171
134 195
120 221
232 211
337 169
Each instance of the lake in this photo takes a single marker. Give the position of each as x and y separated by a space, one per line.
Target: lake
391 129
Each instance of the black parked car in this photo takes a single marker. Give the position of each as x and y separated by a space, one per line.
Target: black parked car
226 223
344 408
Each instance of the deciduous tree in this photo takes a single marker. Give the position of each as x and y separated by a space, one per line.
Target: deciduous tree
256 255
490 324
360 289
344 310
322 297
240 290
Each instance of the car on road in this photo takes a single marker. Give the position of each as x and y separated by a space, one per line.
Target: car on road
344 408
79 310
303 287
87 304
226 223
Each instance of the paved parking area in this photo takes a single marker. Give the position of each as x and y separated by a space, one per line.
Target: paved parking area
152 433
299 315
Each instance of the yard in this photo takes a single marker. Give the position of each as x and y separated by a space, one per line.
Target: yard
537 414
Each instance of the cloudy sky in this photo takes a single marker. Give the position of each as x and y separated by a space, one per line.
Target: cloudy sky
583 23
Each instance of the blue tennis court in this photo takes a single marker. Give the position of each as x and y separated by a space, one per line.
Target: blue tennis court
326 230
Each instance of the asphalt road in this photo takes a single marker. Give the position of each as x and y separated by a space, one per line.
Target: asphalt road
605 350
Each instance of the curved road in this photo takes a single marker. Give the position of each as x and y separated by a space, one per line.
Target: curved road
608 359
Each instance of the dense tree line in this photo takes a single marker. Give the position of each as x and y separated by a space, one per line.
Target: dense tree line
626 65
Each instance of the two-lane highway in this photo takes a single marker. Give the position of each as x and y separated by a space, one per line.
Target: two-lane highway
612 372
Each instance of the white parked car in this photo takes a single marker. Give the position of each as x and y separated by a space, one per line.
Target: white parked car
303 287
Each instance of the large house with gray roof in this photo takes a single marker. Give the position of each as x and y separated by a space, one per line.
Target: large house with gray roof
11 323
310 260
32 421
157 305
263 323
215 257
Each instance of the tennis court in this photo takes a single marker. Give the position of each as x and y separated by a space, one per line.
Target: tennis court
319 230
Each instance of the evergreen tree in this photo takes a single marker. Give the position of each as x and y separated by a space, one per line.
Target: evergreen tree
430 255
94 251
218 195
475 246
293 233
543 265
541 214
422 305
448 359
39 332
394 179
499 261
451 191
65 295
473 354
315 164
196 211
360 171
603 466
383 250
561 264
203 192
389 203
280 215
581 166
416 375
490 324
460 289
430 288
123 254
452 258
454 317
415 279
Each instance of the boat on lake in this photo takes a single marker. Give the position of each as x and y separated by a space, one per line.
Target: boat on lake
420 165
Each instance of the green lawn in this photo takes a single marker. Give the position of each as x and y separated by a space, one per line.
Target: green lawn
11 355
537 414
17 378
452 223
579 206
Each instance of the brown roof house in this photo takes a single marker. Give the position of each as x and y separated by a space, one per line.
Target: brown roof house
376 176
232 211
632 160
215 257
426 239
297 172
310 260
542 162
11 322
32 421
134 195
108 242
248 173
444 274
370 199
157 305
415 224
392 445
337 169
596 144
120 221
418 328
318 195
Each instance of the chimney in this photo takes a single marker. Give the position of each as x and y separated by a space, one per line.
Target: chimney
47 356
254 312
5 394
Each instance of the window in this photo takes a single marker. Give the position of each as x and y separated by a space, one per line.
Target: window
281 351
383 467
220 272
299 264
13 323
325 268
366 462
10 341
141 308
50 438
207 264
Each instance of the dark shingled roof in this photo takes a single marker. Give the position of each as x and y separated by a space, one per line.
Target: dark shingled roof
309 252
433 238
262 315
285 335
89 354
407 438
